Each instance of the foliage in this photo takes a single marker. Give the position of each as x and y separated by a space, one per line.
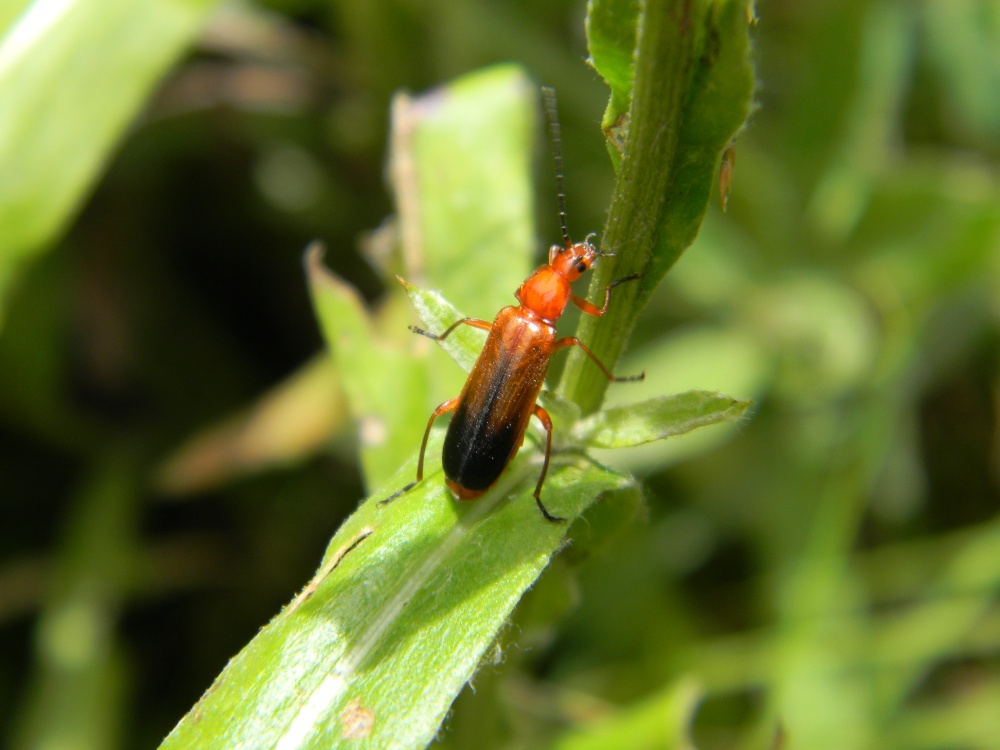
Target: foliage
55 132
392 633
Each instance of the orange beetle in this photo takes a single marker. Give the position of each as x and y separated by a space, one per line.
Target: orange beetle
491 413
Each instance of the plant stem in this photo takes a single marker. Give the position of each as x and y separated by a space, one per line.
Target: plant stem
661 73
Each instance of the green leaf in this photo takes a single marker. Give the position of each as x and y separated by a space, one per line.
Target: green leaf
63 107
663 721
611 32
77 696
385 384
658 418
408 599
461 170
692 358
692 90
437 314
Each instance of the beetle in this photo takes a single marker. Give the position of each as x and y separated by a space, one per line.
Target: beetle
492 412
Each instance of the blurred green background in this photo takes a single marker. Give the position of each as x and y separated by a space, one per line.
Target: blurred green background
174 453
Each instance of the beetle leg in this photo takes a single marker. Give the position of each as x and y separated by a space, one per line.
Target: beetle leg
574 341
444 408
474 322
590 308
543 417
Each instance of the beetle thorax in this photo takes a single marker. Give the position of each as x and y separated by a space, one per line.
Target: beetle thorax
546 293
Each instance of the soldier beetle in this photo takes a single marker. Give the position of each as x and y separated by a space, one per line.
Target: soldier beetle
492 412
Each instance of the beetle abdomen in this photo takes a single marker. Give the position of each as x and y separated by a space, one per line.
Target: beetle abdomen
497 401
474 458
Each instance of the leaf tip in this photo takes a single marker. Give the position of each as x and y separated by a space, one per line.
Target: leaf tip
313 255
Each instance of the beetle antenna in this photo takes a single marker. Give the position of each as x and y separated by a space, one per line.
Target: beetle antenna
549 98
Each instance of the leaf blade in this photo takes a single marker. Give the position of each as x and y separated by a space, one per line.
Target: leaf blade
59 120
659 418
422 595
437 313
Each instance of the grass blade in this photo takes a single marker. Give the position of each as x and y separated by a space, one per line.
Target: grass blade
59 119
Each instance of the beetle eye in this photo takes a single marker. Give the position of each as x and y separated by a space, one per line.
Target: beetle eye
581 267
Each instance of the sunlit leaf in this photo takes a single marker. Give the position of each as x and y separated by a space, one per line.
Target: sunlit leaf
73 75
660 418
407 600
